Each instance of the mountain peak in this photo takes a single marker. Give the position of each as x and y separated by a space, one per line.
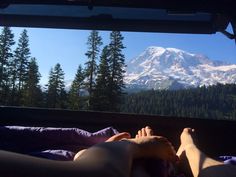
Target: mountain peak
158 66
160 50
155 48
177 50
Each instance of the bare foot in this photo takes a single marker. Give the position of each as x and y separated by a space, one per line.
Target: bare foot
139 169
186 139
154 147
164 151
147 131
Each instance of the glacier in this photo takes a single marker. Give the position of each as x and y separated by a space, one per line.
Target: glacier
171 68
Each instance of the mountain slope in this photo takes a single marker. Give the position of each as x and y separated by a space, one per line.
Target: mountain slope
170 68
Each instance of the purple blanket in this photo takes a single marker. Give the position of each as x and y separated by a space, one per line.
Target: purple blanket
51 143
63 143
57 143
228 159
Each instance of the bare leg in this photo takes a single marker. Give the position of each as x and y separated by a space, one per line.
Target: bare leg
117 137
201 164
138 169
163 148
150 167
144 146
106 159
120 155
113 159
117 157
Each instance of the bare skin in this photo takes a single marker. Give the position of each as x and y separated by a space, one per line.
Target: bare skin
120 154
201 164
147 131
139 167
116 137
147 141
113 159
164 149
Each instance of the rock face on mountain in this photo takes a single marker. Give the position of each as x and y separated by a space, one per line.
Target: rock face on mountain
170 68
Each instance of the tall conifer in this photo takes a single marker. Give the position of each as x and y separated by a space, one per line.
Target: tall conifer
32 95
6 42
74 93
22 55
56 88
94 43
100 99
117 65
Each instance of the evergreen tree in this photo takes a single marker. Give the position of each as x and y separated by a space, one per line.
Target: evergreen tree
13 82
32 92
56 95
74 93
22 55
6 42
117 65
100 99
94 43
195 102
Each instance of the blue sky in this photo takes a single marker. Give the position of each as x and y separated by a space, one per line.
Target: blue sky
67 47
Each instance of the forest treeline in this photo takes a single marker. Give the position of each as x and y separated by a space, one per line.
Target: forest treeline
100 84
101 78
213 102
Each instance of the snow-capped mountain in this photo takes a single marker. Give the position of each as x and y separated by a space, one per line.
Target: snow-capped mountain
170 68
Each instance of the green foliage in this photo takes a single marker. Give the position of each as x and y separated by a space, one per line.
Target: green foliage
6 42
56 95
32 94
101 98
19 84
75 101
94 43
214 102
22 55
116 62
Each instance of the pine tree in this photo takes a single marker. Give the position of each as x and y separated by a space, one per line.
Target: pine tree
13 82
32 94
6 42
74 93
94 43
117 65
100 100
56 88
22 55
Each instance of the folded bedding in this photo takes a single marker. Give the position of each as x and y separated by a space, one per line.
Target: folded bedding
49 142
58 143
228 159
64 143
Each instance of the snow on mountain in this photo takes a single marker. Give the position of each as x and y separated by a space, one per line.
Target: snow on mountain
68 84
170 68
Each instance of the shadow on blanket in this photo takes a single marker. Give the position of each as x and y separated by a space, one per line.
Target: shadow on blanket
50 143
63 143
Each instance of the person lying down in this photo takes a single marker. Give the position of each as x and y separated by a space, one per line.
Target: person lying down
158 167
118 157
200 164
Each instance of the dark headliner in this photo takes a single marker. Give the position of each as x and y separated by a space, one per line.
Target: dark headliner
177 16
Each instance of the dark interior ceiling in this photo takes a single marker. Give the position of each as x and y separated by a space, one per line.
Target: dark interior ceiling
219 6
177 16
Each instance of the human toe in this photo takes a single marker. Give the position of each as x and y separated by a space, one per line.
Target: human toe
144 133
149 131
